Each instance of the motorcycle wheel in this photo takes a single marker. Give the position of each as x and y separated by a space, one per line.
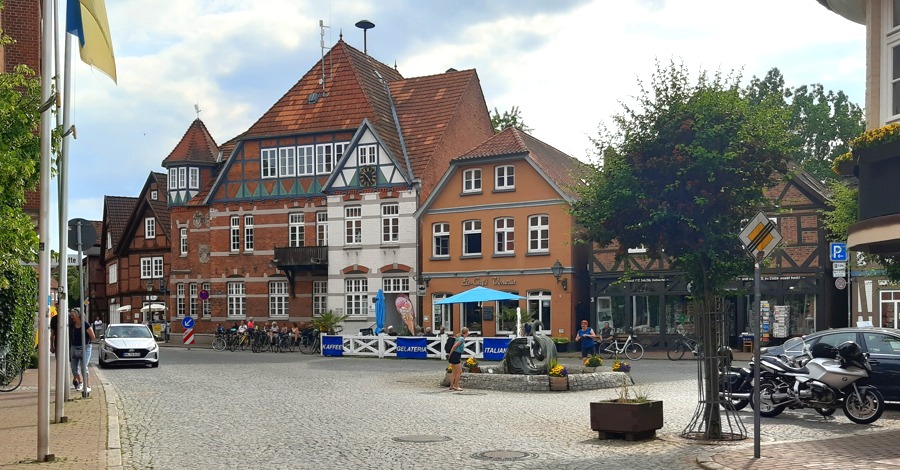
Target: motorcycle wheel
735 404
766 408
826 411
866 411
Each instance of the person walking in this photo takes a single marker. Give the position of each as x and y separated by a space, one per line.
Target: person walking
80 354
585 336
459 346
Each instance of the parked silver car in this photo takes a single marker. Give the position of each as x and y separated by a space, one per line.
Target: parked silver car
128 343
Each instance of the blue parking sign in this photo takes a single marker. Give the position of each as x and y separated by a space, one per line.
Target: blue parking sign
838 251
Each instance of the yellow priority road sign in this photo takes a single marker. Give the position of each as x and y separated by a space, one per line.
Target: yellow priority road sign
760 235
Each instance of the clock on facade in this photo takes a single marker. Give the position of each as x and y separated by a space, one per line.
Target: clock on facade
368 176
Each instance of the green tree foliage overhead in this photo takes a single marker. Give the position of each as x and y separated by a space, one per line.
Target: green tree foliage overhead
17 312
19 163
684 170
511 118
821 124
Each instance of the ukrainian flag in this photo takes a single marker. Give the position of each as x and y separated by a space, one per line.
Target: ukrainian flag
87 20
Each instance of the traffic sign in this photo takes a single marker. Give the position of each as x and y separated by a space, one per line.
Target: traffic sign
840 283
188 337
204 294
187 323
760 236
838 251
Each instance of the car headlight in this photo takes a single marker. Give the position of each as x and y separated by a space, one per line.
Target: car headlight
106 347
154 346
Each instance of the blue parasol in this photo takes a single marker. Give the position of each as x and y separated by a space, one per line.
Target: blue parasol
478 294
379 312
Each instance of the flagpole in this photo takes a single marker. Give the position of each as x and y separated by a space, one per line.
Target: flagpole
62 373
43 415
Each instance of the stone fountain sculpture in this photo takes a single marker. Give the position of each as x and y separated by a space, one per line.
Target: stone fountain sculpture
529 359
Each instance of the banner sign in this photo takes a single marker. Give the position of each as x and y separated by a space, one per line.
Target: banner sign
332 345
495 348
412 348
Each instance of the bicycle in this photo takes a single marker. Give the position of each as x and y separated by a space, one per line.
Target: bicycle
681 346
631 348
258 341
309 341
11 372
219 343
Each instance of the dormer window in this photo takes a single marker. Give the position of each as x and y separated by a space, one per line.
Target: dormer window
472 181
182 177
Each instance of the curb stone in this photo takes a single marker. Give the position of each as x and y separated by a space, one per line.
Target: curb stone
113 455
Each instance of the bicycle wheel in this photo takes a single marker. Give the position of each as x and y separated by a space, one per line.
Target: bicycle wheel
317 346
232 344
245 341
218 344
11 380
610 351
307 346
676 352
634 351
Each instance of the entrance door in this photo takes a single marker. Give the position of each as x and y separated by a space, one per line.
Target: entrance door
539 303
443 314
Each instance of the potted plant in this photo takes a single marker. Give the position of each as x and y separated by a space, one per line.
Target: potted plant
877 144
591 363
633 415
447 372
561 342
559 376
472 365
327 322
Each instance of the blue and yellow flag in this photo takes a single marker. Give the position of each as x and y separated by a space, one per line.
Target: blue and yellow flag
87 20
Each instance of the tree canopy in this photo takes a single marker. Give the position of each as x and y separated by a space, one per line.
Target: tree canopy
511 118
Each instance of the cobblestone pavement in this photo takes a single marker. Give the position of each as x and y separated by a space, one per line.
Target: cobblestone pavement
207 409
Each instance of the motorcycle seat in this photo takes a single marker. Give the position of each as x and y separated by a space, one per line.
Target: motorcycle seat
777 361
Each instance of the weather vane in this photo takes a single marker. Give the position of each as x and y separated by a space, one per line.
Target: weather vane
197 109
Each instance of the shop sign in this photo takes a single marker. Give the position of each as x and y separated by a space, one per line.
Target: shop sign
412 348
485 281
495 348
332 345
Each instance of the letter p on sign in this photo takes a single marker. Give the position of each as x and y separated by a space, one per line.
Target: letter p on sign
838 251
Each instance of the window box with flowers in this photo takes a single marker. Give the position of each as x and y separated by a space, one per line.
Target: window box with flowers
877 144
559 376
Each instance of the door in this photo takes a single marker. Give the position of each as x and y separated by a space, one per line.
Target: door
539 306
442 314
884 356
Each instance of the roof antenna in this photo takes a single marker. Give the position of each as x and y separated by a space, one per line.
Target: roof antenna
365 25
322 43
197 109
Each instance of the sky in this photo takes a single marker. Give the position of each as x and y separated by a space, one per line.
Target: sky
567 65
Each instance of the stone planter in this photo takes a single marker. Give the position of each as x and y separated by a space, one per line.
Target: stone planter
632 421
446 381
562 347
474 370
559 384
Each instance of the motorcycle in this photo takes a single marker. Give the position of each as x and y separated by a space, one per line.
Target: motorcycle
736 386
823 379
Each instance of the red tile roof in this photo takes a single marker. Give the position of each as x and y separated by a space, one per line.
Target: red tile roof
117 210
559 167
197 145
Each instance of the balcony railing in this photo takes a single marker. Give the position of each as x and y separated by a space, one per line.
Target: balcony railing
303 257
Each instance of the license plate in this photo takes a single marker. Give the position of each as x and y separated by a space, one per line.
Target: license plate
131 354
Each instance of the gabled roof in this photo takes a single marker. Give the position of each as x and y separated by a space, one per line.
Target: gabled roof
560 168
354 90
116 212
425 107
144 204
196 146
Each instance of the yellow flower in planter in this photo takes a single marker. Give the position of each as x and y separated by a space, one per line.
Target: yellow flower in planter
471 362
558 371
592 361
876 137
621 367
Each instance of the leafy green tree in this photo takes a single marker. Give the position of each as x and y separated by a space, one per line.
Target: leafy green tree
683 170
511 118
19 164
821 125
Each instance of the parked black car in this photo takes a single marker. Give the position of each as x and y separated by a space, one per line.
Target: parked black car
882 344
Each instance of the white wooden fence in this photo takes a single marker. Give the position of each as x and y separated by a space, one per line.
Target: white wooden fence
386 346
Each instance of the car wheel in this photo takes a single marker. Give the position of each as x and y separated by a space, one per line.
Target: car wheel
155 364
103 364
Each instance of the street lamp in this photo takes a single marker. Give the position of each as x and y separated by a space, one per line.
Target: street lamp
557 270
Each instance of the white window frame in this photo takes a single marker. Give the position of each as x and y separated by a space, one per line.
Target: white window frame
150 227
287 161
154 195
113 273
356 297
539 233
306 160
470 228
368 155
504 236
504 177
353 225
268 163
390 223
322 228
472 181
146 268
173 178
183 241
235 233
320 297
440 230
108 241
192 295
157 267
296 230
324 159
237 300
395 285
193 178
182 177
248 233
890 41
207 306
339 149
278 298
179 299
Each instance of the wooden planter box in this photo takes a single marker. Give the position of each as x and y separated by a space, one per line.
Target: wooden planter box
559 384
632 421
